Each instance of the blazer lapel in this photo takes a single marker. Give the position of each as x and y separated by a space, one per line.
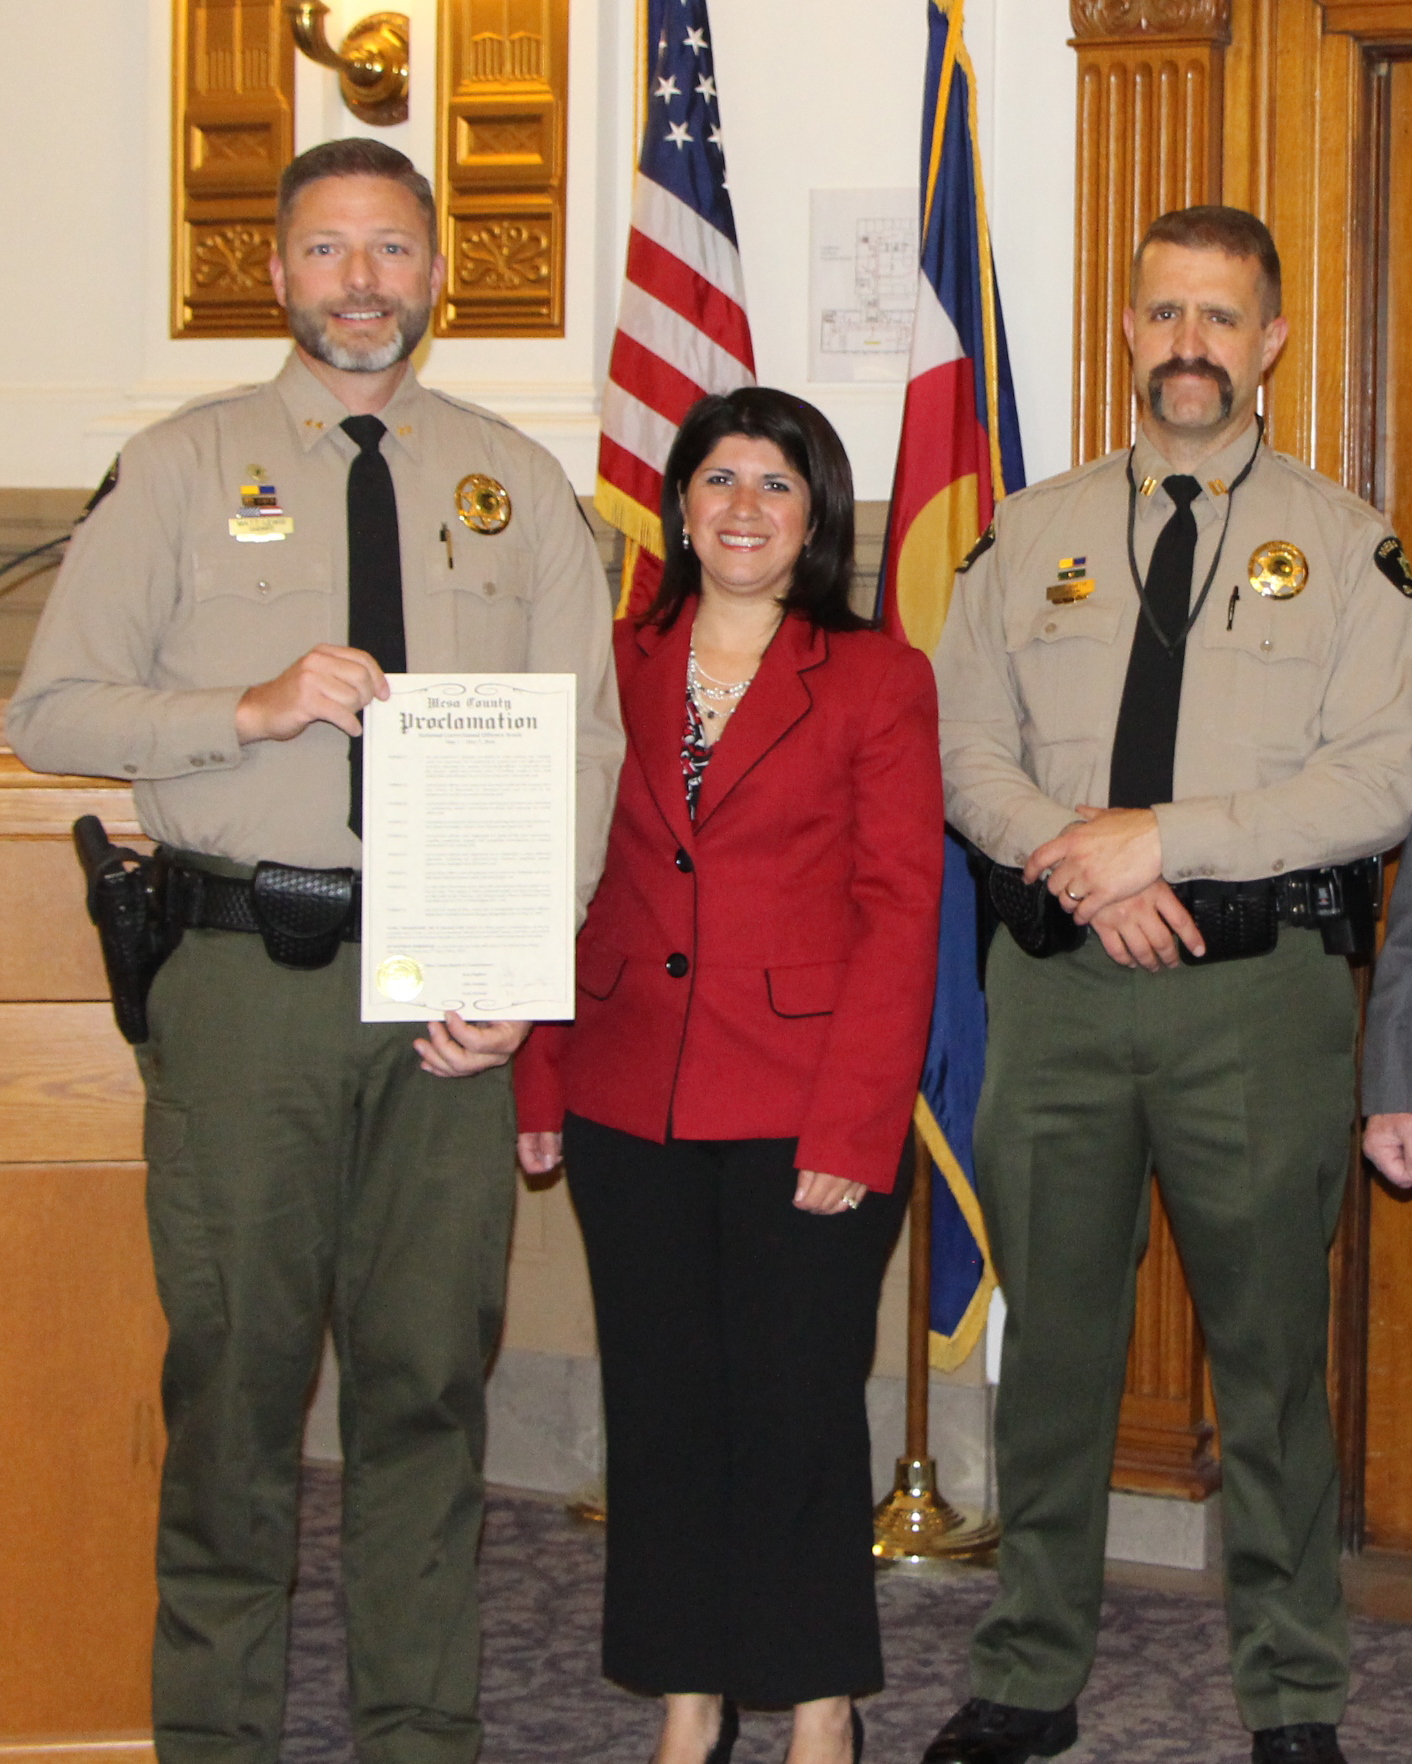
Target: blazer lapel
654 713
777 699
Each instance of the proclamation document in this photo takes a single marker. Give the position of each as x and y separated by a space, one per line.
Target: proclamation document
468 848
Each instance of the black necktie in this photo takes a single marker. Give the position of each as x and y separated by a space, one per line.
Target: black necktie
1145 741
374 576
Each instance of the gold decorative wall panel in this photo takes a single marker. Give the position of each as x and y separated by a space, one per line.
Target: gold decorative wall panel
503 85
233 89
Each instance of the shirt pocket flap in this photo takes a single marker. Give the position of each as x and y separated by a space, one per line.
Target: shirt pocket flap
1096 618
470 563
599 970
808 991
261 573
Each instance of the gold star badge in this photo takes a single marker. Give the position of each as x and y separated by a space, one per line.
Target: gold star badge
1278 570
483 503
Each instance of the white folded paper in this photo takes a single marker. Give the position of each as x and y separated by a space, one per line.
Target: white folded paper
468 848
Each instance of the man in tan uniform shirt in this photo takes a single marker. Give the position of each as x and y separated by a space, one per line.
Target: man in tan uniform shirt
303 1165
1291 753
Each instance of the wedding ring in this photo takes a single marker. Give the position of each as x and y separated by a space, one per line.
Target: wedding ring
852 1205
1072 896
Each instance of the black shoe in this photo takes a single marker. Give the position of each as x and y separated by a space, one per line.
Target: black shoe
1305 1742
982 1732
728 1735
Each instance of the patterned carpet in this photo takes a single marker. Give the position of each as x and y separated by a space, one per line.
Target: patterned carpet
1162 1659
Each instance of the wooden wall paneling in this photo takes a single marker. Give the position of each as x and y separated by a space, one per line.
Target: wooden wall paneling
79 1370
1383 22
69 1087
1391 93
1247 125
1387 1494
502 133
81 1332
1149 139
233 133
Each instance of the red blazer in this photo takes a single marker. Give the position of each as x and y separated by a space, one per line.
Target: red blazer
768 972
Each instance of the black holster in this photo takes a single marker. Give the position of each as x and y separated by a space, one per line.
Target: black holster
1029 912
127 904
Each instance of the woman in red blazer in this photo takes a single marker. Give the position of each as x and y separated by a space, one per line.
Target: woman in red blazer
754 989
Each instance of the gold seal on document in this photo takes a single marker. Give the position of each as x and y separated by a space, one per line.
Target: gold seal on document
1278 570
400 978
483 503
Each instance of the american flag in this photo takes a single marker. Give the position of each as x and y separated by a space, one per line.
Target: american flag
682 327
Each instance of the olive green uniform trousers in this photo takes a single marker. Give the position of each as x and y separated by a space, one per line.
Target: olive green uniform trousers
1236 1083
303 1168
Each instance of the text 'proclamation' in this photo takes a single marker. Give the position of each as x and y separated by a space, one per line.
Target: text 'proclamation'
468 848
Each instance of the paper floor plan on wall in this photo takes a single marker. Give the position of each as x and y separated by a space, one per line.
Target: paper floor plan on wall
862 283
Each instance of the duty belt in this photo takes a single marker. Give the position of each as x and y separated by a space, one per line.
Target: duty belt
302 915
142 905
1236 919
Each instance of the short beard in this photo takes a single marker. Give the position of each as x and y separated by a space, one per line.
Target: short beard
1199 367
308 325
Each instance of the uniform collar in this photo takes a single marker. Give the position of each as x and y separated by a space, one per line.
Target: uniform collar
317 414
1215 474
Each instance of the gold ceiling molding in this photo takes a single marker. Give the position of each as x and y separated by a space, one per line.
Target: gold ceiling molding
233 133
502 135
1110 19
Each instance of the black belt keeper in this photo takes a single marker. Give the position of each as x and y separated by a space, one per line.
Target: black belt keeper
301 915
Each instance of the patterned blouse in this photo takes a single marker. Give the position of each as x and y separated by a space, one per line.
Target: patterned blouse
695 754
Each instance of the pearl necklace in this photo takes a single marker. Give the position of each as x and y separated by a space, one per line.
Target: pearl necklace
717 692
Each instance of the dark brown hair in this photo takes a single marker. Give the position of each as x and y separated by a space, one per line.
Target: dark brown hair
823 573
354 157
1209 227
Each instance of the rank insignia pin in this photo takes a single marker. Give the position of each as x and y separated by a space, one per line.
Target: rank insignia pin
483 503
1278 570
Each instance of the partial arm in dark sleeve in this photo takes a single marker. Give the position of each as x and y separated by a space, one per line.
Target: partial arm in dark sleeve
1387 1046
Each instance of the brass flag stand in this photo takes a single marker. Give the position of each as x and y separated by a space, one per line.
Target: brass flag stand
916 1527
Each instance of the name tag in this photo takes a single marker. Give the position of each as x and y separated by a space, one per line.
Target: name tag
1066 593
260 529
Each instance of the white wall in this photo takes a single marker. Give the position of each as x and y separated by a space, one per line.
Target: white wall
817 96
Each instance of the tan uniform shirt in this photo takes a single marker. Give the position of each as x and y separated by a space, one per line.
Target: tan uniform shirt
160 618
1294 744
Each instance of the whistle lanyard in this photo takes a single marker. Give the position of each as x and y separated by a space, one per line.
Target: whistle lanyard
1173 644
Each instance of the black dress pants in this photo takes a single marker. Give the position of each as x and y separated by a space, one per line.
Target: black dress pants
736 1335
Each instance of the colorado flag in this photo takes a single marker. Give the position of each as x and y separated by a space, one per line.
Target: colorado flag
959 453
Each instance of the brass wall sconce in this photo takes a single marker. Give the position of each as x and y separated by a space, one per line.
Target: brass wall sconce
372 65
